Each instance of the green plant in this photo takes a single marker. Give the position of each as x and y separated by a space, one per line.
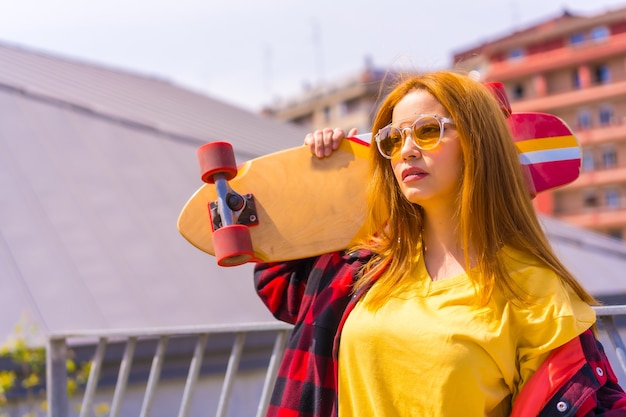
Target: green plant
27 375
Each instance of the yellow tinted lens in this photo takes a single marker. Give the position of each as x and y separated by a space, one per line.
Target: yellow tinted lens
427 132
392 143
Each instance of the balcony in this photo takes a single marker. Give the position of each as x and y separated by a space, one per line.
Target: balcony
596 217
616 131
564 57
550 103
599 178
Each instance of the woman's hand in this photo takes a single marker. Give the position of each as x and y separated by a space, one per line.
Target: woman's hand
323 142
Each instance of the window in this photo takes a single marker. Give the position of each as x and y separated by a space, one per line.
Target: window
584 119
590 199
326 113
576 79
601 74
342 109
611 198
516 54
588 160
606 115
609 157
599 34
352 105
304 120
577 39
518 91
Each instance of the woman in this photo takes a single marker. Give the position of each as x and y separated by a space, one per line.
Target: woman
455 305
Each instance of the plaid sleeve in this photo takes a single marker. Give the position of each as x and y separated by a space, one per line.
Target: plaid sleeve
609 399
281 286
593 390
312 294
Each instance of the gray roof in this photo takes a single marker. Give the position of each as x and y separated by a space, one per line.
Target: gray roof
598 261
143 102
95 165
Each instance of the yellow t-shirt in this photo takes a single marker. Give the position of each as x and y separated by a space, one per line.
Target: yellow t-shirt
432 352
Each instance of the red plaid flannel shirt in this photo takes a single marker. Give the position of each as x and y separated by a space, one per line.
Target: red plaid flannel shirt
316 296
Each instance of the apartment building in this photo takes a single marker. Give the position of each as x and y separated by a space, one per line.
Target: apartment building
346 103
572 66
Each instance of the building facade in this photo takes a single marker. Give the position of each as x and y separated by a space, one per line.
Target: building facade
574 67
345 103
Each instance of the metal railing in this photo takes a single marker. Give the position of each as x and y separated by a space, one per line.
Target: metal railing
606 316
57 353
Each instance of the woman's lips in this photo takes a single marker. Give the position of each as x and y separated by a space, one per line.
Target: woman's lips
413 174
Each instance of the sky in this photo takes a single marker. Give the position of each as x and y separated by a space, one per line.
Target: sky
254 53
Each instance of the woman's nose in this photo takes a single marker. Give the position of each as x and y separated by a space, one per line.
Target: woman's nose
409 148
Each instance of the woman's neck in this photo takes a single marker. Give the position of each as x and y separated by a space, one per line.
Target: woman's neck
443 253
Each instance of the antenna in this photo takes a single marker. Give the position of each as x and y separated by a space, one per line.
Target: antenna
515 15
267 69
319 52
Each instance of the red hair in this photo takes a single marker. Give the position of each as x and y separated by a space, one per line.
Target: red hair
494 208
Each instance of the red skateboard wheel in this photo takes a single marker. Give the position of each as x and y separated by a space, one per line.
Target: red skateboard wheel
233 245
216 158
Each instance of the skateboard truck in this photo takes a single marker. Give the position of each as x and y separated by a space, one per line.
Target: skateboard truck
243 208
232 213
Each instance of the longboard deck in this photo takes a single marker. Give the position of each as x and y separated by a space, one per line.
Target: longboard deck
549 151
306 206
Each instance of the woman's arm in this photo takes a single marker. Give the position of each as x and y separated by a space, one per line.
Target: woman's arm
281 286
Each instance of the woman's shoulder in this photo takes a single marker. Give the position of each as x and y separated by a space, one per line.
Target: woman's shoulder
533 277
546 297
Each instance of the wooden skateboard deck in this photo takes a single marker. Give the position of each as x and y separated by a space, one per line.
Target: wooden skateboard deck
295 205
305 206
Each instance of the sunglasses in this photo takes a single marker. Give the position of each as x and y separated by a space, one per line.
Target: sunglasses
426 132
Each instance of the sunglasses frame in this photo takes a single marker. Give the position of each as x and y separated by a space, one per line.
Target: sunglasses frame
403 132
